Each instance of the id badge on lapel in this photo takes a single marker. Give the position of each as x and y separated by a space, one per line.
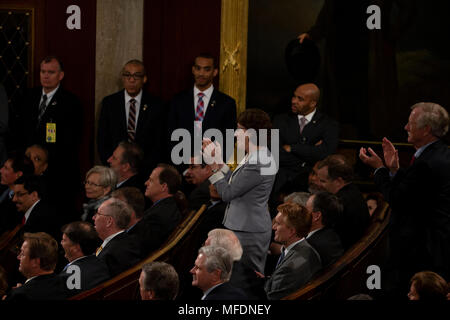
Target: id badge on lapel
50 135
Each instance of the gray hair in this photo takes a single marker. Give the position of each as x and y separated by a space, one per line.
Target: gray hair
226 239
119 211
432 115
217 258
298 197
108 178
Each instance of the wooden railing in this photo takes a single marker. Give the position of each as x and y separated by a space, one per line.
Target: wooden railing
348 275
125 286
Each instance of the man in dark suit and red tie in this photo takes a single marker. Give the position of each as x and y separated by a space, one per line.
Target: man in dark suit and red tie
419 231
132 115
202 106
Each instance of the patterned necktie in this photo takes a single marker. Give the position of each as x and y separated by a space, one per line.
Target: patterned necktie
302 124
42 108
199 111
132 121
99 249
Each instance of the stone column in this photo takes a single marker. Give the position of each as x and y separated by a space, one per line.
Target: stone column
119 39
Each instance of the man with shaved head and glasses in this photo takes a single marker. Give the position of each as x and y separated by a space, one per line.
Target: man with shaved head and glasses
133 115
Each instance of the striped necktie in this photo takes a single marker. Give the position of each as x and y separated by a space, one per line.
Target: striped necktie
199 111
42 108
132 121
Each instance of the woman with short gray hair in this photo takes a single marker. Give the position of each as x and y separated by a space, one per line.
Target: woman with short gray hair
100 182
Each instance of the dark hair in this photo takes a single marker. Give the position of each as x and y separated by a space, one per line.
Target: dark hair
255 119
42 246
31 183
297 217
329 205
48 59
84 234
162 279
133 197
132 154
170 176
338 167
20 162
207 55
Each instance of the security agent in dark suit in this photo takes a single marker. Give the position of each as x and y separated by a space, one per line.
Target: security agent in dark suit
38 256
325 209
80 241
419 232
119 250
52 117
306 136
335 175
211 273
132 115
215 110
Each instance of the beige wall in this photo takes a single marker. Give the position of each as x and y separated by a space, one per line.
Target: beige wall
119 39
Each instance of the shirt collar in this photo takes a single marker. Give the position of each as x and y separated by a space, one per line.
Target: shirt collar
422 149
308 117
108 239
208 92
138 98
209 290
27 214
286 249
50 94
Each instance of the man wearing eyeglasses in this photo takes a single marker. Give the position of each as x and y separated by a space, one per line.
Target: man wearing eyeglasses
132 115
37 215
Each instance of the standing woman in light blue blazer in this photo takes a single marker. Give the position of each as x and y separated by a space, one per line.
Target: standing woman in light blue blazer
248 187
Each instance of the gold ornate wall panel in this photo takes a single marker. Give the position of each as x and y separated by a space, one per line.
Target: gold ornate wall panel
233 50
16 49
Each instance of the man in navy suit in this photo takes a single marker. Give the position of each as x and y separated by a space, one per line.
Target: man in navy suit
325 209
306 136
132 115
38 257
79 241
119 250
203 106
419 232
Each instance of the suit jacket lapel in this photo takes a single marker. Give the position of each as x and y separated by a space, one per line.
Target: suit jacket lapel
122 114
211 105
143 113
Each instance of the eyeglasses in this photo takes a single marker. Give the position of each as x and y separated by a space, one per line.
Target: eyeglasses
101 214
135 76
20 194
90 183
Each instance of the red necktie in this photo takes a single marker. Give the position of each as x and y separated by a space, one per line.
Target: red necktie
412 160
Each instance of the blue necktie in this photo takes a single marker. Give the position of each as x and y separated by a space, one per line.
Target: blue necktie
281 257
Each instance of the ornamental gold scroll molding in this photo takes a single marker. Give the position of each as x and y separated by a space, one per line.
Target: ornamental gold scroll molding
233 50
